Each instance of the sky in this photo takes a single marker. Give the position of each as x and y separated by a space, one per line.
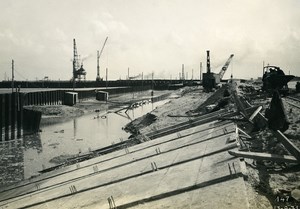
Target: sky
148 36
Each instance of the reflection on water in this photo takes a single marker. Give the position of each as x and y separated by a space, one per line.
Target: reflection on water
82 134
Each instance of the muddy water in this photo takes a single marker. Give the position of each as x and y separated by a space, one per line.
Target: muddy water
88 132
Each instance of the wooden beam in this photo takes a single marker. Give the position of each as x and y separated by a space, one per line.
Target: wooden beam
264 156
244 133
255 113
261 120
292 104
288 145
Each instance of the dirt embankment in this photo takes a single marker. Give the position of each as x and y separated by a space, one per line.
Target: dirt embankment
177 110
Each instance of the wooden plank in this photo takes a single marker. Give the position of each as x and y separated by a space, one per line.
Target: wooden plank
264 156
239 104
7 112
293 104
255 113
261 121
244 133
288 145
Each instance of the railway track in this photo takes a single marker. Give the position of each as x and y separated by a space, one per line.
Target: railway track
293 101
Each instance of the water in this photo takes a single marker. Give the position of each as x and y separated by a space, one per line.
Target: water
88 132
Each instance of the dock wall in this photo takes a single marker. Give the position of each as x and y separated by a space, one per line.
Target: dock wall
12 121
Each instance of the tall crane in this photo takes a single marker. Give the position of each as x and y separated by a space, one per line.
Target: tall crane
75 60
78 72
98 57
224 68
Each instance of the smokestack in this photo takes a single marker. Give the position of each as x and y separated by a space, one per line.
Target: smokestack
208 62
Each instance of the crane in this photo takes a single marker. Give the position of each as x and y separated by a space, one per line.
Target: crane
224 68
211 80
98 57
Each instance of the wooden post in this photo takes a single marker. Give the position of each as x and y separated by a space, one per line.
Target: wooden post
56 97
295 151
33 98
28 99
43 98
47 97
50 97
7 116
25 99
20 98
1 115
40 98
13 116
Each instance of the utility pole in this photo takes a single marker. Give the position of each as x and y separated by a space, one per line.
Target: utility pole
128 74
12 76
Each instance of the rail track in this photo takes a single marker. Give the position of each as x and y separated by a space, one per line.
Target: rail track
293 101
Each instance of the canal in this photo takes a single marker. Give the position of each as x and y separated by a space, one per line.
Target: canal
89 132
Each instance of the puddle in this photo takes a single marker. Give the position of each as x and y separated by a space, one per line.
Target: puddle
82 134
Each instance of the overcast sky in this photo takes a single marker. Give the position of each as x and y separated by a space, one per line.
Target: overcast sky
148 36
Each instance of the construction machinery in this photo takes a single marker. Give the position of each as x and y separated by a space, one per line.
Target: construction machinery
210 79
98 58
275 79
78 72
223 70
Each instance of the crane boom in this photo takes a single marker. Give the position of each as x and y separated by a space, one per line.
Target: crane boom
98 57
102 48
224 68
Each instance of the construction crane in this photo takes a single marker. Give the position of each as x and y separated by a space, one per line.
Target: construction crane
78 72
224 68
98 57
75 60
210 79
